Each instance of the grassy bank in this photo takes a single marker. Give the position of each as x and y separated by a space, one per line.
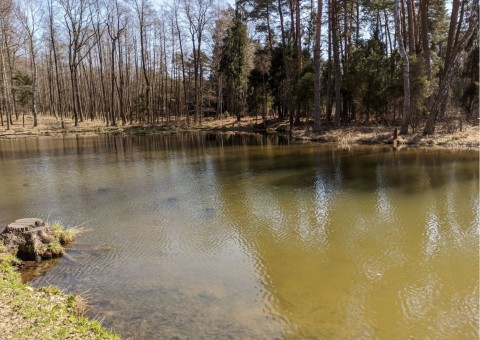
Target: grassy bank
353 134
43 313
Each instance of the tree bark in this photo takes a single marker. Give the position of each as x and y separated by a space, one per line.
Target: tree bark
6 85
34 81
424 37
317 125
411 27
298 38
406 71
456 44
336 61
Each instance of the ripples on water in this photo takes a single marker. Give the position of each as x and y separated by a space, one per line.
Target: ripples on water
215 236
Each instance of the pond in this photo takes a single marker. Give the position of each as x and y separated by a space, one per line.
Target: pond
200 235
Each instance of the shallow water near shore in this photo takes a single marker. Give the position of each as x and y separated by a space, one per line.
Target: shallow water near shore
200 235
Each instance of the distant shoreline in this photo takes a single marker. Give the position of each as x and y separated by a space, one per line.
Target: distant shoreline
354 134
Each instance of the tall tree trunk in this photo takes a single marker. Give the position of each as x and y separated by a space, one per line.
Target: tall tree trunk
298 37
184 80
285 106
329 67
317 125
74 106
451 33
10 61
112 84
424 37
144 62
264 110
121 88
403 21
346 57
91 88
411 27
387 31
406 71
195 75
336 61
51 94
200 79
456 44
55 60
6 89
58 83
102 78
269 29
357 33
34 82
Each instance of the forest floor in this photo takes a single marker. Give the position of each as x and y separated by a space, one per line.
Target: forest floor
466 137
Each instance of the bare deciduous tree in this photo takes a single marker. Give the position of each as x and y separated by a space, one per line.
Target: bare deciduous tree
29 16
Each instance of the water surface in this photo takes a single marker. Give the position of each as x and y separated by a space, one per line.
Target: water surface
236 236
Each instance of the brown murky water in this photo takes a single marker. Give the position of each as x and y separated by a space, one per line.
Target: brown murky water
224 236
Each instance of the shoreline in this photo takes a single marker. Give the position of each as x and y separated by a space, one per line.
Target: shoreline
44 312
358 134
354 134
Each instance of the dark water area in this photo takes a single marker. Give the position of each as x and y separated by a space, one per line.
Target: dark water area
200 235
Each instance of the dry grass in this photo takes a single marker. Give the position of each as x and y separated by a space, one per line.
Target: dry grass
63 235
469 137
345 142
49 126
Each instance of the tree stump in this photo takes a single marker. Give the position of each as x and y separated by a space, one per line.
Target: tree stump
30 239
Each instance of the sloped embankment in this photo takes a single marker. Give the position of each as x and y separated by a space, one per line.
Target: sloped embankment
43 313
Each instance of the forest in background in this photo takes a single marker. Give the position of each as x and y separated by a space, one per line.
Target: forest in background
410 63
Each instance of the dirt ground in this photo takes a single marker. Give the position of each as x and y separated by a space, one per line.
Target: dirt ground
468 137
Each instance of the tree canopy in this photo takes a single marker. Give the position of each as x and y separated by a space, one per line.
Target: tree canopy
332 61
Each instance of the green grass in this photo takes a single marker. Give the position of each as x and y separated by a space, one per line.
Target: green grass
53 249
63 235
44 313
